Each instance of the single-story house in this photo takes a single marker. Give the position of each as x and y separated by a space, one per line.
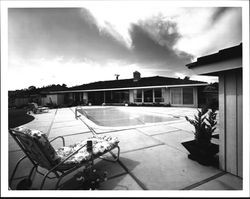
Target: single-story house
227 65
137 90
18 102
22 99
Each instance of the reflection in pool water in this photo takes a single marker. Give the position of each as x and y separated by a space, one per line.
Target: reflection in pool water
115 117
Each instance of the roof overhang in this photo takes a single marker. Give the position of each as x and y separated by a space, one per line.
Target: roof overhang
224 60
214 69
129 88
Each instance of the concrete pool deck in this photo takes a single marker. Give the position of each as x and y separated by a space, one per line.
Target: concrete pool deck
152 157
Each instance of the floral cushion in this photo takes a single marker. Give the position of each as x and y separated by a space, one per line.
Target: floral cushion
40 149
37 144
101 144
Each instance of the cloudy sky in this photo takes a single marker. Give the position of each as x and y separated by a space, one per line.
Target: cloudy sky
95 42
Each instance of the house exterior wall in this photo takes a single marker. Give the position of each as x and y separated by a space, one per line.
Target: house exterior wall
230 112
148 96
60 99
231 123
21 101
50 98
53 98
57 99
85 97
166 95
131 96
70 98
44 101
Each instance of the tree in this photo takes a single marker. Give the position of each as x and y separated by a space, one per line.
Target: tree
186 78
32 88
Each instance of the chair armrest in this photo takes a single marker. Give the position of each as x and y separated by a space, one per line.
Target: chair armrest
57 138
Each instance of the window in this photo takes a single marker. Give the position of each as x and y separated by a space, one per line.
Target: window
120 96
137 95
183 95
158 95
188 97
148 95
176 96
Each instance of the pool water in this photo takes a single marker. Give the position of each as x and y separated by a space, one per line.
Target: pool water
114 117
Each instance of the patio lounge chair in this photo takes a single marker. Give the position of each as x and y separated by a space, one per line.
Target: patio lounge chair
61 161
37 109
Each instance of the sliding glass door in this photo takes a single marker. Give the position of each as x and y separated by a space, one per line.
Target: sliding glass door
176 96
182 96
188 97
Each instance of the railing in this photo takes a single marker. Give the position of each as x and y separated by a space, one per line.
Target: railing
84 114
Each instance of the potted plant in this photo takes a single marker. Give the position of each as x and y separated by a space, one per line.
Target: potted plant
201 149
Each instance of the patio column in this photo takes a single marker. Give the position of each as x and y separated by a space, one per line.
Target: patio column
142 93
85 97
81 96
153 95
131 96
195 97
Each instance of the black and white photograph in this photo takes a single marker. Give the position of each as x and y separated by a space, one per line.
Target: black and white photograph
125 98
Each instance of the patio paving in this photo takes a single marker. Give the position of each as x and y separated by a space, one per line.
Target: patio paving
131 140
152 157
221 183
175 138
157 129
165 168
184 126
124 182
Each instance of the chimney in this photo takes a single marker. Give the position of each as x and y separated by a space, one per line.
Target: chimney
137 76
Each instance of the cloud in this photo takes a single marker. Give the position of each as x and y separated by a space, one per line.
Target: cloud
79 33
76 34
219 13
152 43
221 29
162 30
122 14
68 32
156 40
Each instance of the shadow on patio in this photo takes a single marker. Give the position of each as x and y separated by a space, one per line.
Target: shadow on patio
116 174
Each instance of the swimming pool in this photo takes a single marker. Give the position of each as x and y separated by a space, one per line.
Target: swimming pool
116 117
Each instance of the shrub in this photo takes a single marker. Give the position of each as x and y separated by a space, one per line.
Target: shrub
205 124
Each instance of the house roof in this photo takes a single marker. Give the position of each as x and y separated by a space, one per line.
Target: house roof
130 83
222 55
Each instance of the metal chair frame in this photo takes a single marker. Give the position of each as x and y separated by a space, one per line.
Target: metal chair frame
54 168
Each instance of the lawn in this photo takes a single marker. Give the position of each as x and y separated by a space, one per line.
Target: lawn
18 117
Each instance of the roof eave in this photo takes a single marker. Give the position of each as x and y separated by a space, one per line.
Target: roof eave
130 88
234 52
